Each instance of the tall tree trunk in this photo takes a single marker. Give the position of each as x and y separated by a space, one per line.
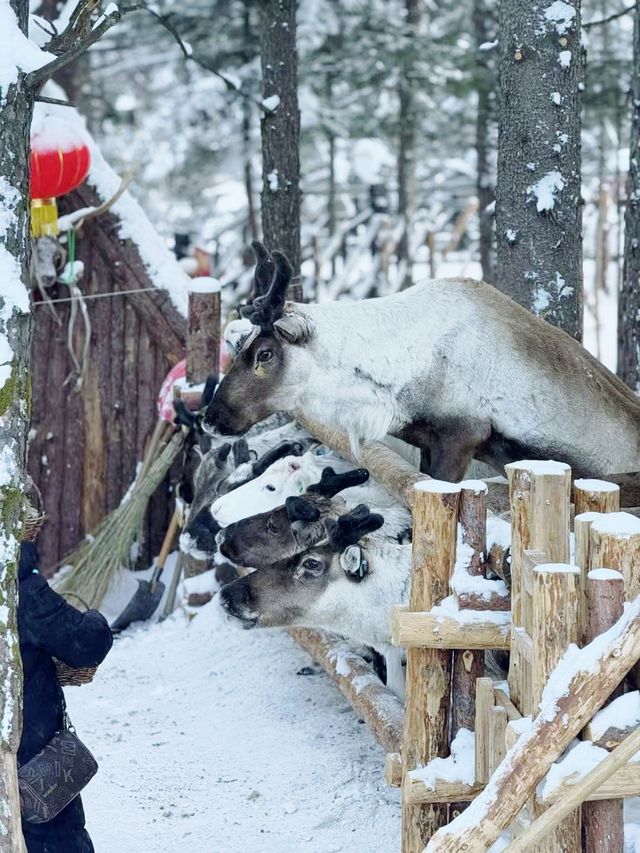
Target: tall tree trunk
538 204
407 122
280 128
15 335
484 188
246 129
629 297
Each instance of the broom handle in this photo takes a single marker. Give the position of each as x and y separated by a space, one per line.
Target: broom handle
166 546
150 451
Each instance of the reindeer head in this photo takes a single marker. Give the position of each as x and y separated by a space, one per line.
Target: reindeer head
273 536
291 592
261 379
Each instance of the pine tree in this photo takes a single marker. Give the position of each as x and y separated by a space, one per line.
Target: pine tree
538 203
280 128
629 297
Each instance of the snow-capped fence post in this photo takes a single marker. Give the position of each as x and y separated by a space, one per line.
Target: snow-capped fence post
426 724
203 335
539 496
614 542
468 664
555 626
203 359
595 496
603 820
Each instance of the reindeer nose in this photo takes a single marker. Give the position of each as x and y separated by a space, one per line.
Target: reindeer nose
236 599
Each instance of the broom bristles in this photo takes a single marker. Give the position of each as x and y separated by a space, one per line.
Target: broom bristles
95 562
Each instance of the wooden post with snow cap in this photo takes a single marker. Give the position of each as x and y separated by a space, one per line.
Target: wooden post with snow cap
468 664
203 359
595 496
539 495
203 334
556 593
426 725
614 543
603 821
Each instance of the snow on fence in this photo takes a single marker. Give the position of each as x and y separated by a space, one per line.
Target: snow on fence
467 738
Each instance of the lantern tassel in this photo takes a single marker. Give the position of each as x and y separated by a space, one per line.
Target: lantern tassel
44 217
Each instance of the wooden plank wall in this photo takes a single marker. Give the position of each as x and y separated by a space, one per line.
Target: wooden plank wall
86 444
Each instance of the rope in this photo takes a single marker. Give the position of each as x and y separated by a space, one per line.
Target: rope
104 295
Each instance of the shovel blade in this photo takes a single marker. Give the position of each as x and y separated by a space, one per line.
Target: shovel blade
141 607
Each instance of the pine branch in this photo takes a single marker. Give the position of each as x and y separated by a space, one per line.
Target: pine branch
165 21
610 18
77 38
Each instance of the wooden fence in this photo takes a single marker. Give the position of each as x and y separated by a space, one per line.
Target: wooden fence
557 603
554 687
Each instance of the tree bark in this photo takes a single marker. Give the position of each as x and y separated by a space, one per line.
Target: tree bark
407 123
538 204
629 300
280 129
15 411
484 188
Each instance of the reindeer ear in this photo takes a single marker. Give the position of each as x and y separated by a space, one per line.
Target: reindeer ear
350 528
331 483
300 509
265 269
293 328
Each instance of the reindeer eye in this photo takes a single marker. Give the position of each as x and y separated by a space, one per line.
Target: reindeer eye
264 355
270 488
313 566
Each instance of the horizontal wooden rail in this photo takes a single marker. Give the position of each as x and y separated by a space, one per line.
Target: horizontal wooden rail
381 709
426 630
623 783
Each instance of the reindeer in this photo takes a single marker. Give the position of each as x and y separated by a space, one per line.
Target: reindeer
345 584
452 366
273 536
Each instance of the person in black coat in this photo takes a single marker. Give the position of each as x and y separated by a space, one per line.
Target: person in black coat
48 628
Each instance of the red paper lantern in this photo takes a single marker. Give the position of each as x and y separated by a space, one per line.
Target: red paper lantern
58 165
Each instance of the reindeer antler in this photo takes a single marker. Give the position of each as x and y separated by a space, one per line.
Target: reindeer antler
265 269
331 483
350 528
266 309
301 509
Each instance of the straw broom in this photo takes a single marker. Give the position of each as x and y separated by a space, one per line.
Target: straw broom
96 560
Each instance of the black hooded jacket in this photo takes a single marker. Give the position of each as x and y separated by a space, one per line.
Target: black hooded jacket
48 627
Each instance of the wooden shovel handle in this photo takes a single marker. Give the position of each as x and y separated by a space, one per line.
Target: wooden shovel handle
168 540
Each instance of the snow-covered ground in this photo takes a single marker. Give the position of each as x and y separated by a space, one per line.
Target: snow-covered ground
209 741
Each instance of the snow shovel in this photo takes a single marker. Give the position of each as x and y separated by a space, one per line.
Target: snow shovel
147 597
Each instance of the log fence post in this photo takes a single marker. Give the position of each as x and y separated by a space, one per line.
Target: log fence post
426 724
203 359
603 821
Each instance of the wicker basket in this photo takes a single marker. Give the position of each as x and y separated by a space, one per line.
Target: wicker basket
71 676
